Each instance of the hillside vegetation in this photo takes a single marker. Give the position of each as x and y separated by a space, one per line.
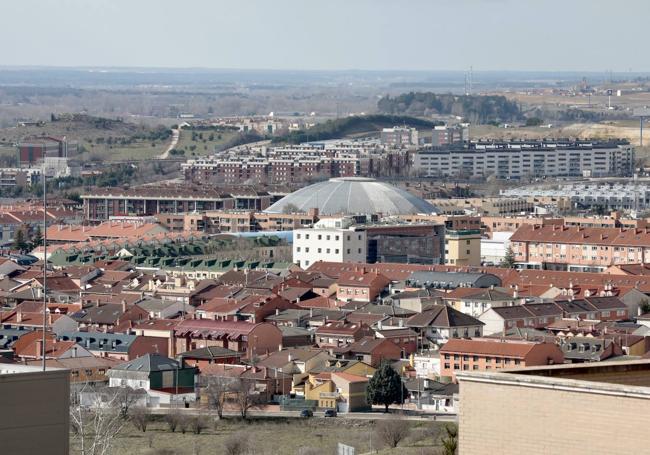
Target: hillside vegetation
476 109
339 128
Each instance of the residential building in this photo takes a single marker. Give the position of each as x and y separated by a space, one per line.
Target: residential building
165 380
35 149
398 136
443 135
339 333
485 354
579 249
475 302
360 286
335 241
369 350
440 323
521 159
463 248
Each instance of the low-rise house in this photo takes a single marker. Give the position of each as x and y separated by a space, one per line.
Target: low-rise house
432 395
475 301
30 347
406 339
344 392
369 350
117 346
295 337
361 286
539 315
441 323
162 309
210 355
494 353
588 349
416 300
249 338
338 333
108 316
165 380
83 370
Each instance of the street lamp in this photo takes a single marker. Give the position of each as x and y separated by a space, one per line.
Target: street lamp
44 260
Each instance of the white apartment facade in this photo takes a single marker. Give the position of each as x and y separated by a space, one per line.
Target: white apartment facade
520 160
333 240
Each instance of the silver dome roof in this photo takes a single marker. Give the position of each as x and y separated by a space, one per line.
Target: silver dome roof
352 196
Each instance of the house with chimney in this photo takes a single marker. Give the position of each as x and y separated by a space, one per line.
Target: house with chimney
338 333
119 346
440 323
360 286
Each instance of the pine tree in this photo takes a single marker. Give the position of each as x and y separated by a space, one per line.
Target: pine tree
37 238
509 259
385 387
19 241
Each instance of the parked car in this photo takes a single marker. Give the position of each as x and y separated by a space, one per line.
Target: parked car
306 413
329 413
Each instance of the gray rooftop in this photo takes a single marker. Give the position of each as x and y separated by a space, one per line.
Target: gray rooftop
352 196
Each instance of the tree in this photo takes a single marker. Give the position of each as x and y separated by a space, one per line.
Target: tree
509 260
97 422
198 424
392 432
37 238
19 241
215 390
140 418
450 440
237 443
386 387
245 396
173 419
644 305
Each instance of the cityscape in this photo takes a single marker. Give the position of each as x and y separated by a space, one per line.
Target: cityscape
344 228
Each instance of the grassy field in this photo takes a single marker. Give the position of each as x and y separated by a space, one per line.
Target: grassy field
201 143
276 436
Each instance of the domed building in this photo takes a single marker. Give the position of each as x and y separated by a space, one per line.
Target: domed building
352 196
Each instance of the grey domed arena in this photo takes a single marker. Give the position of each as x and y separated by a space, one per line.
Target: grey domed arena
352 196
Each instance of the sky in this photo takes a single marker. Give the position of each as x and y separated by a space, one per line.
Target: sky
531 35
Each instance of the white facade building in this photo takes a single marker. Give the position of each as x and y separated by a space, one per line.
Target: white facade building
527 159
333 240
493 250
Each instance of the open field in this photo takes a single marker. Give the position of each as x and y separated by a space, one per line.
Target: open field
274 436
607 130
202 143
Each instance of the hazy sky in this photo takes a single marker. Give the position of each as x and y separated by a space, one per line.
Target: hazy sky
582 35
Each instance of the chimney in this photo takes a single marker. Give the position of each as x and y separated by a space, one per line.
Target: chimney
19 316
123 306
277 311
74 351
39 349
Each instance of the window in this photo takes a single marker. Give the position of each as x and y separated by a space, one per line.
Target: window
298 249
320 237
456 357
475 358
517 362
475 367
336 251
467 242
306 249
320 250
465 367
307 236
465 358
446 356
488 360
328 237
456 367
297 236
327 251
446 366
336 238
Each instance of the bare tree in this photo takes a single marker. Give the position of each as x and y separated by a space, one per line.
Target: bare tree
215 389
173 420
140 418
237 443
198 423
392 432
245 396
98 419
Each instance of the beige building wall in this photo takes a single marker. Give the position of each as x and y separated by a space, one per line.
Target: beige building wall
500 414
34 417
463 248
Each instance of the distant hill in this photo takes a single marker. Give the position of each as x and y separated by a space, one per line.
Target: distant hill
347 126
477 109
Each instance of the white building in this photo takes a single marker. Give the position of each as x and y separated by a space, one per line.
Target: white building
493 250
331 239
517 160
399 136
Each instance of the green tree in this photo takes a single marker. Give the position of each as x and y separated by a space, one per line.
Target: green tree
37 238
450 440
508 261
19 241
386 387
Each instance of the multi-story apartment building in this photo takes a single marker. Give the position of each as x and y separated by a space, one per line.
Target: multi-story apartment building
463 247
33 150
339 240
102 203
608 196
515 160
481 354
399 136
579 249
448 135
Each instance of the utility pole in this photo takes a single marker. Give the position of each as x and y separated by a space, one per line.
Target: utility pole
44 261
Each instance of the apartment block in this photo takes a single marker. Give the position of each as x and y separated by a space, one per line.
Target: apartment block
579 249
484 354
516 160
463 247
399 136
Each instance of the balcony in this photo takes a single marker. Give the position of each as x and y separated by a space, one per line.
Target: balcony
329 395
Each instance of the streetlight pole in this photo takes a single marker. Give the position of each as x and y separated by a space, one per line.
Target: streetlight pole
44 260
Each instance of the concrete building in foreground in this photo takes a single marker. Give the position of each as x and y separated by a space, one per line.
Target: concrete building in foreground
595 408
35 410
